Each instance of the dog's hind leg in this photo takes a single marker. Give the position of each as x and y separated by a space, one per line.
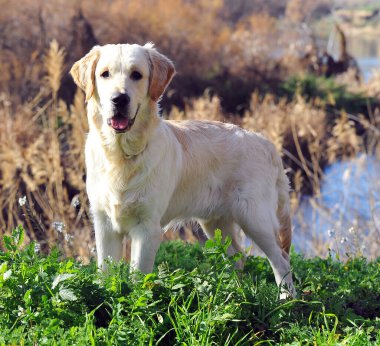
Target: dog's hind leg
259 221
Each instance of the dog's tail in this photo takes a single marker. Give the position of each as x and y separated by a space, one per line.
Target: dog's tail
283 210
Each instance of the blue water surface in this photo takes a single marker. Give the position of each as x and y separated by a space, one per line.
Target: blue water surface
349 203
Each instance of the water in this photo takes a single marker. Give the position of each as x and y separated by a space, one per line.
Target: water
366 50
347 215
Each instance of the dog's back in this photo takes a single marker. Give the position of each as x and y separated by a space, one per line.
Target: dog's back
221 163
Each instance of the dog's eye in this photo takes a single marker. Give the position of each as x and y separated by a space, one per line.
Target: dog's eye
136 75
105 74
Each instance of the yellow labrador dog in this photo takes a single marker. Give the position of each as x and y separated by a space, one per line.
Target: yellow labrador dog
145 173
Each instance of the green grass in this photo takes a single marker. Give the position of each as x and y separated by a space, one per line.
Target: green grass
195 297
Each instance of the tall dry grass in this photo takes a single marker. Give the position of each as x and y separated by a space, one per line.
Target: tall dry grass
42 165
42 172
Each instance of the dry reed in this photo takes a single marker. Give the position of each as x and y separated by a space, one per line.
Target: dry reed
42 172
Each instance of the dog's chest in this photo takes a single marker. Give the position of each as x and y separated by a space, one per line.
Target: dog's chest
124 205
124 209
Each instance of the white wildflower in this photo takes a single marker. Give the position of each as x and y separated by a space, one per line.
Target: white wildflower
22 201
75 202
344 240
331 233
7 274
37 247
351 230
346 176
69 237
58 226
21 311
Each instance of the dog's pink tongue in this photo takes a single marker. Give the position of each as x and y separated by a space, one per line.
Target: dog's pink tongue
119 123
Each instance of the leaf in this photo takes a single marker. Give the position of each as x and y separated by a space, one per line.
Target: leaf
209 244
8 243
218 236
67 294
60 278
3 267
225 317
141 302
148 277
160 318
178 286
28 297
227 243
18 236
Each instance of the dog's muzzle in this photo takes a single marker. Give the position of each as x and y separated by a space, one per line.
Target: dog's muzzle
121 122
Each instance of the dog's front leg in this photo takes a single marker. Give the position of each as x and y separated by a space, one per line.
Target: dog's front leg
145 243
109 244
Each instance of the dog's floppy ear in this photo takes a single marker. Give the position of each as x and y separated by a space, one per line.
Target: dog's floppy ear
83 72
161 72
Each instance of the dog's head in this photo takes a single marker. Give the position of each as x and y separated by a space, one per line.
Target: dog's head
122 79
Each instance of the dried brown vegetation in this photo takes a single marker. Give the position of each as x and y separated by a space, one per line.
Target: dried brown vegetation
210 41
42 144
42 173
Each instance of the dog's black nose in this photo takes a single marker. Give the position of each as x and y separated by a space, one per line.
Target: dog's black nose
120 100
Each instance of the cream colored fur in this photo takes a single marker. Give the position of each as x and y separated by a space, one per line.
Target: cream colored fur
160 172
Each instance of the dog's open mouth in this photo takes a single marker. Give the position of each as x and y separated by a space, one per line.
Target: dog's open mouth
120 123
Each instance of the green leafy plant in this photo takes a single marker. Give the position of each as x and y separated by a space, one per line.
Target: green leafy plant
327 93
57 301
